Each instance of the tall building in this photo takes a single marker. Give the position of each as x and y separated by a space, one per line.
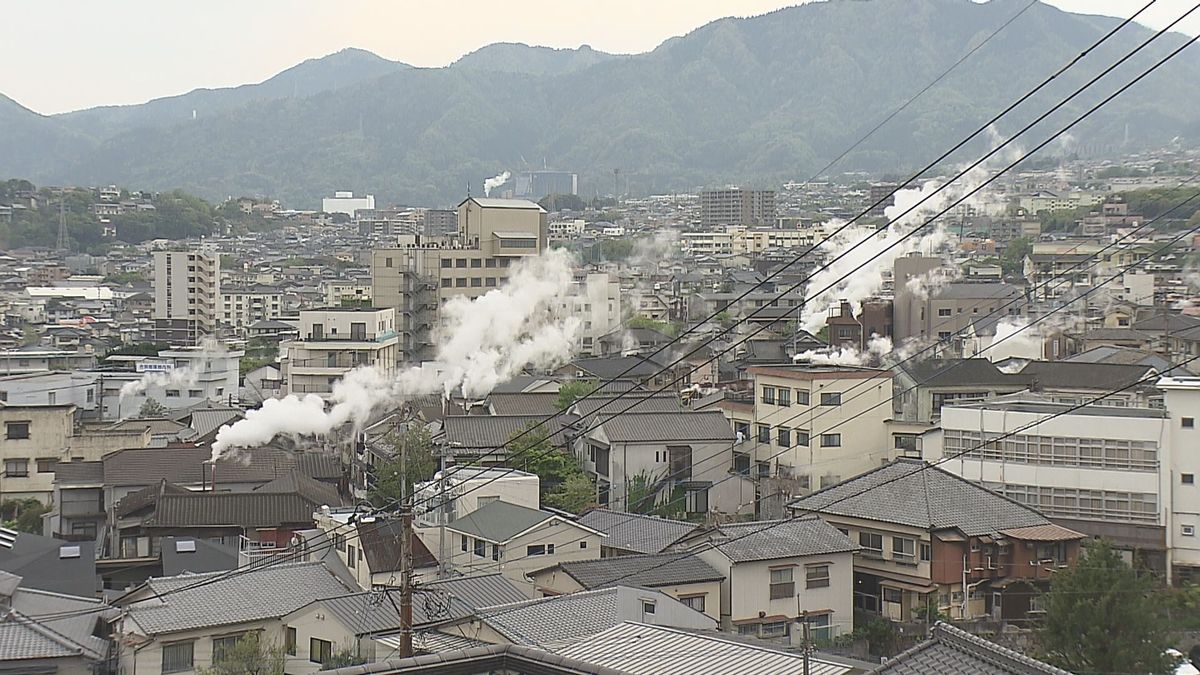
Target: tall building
187 295
335 340
344 201
737 206
538 184
415 280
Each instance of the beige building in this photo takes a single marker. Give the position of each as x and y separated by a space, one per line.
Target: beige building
242 306
335 340
187 289
737 206
342 293
516 540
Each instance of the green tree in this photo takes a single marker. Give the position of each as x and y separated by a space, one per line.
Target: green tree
343 658
641 495
562 481
23 515
639 321
249 656
1013 260
560 202
390 485
151 408
574 390
1102 616
576 493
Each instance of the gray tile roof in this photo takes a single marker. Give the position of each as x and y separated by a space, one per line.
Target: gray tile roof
240 509
295 482
481 590
187 465
635 532
555 619
1075 375
774 539
962 372
603 407
951 650
269 592
76 473
658 569
499 521
641 649
668 427
610 367
22 638
487 433
539 404
71 623
911 492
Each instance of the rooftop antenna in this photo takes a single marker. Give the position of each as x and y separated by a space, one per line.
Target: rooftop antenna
63 242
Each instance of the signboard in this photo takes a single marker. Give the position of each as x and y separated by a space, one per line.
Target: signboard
154 366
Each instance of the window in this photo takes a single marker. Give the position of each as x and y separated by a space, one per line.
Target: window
768 395
784 397
195 393
945 311
16 431
16 468
944 335
801 437
742 430
535 549
320 651
289 644
1188 422
489 282
223 646
172 393
52 398
894 595
495 551
480 548
46 464
926 552
446 283
446 262
819 627
1188 530
696 500
1185 478
784 437
177 657
583 544
476 262
764 433
801 397
831 398
871 542
460 283
696 602
490 262
464 543
476 282
816 576
831 440
351 556
774 629
904 550
647 607
781 583
461 262
339 542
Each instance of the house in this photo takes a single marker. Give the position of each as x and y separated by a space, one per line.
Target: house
516 540
952 650
47 632
484 438
682 576
764 564
49 564
687 451
628 533
927 536
465 488
369 547
180 623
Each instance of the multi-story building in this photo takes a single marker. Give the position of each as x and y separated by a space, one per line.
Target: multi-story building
814 424
945 312
340 293
596 300
334 341
344 201
417 279
737 206
187 294
175 379
440 222
243 306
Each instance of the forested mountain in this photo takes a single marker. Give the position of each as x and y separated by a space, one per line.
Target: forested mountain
763 99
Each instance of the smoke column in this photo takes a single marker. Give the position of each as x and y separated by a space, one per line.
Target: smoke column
485 341
494 182
179 377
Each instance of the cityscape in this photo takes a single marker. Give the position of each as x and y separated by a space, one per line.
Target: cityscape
334 373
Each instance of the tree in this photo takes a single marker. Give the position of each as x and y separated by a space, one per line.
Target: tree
390 486
23 515
562 481
151 408
573 391
641 495
561 202
573 495
1013 260
249 656
343 658
1103 616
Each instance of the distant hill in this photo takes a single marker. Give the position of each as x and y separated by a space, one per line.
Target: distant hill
758 100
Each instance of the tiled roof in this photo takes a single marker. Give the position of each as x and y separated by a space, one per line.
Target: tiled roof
1050 532
22 638
224 599
240 509
1074 375
911 492
67 620
555 619
485 433
76 473
962 372
380 542
774 539
603 407
950 650
659 569
481 590
188 465
610 367
295 482
499 521
668 427
147 496
538 404
635 532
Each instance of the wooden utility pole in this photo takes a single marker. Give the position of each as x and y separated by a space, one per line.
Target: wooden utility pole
807 645
406 561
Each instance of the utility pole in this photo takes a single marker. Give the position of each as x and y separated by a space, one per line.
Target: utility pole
406 561
807 646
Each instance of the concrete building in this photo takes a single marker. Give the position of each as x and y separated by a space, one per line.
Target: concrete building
340 293
596 299
517 540
1182 398
243 306
334 341
344 201
176 379
737 206
187 290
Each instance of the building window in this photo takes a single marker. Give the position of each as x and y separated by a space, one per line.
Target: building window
16 431
490 282
490 262
783 437
223 646
784 396
768 395
1186 478
774 629
831 440
871 542
460 283
496 552
696 602
801 437
781 583
351 556
46 464
195 393
480 548
894 595
944 312
926 552
1188 422
464 543
904 550
801 397
446 283
339 542
16 468
289 638
819 627
461 262
764 433
816 576
320 651
1189 530
177 657
535 549
583 544
648 607
172 393
831 398
446 263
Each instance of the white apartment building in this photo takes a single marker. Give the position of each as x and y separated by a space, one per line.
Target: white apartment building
335 340
344 201
1127 474
815 424
596 300
187 288
177 378
565 230
342 293
242 306
708 243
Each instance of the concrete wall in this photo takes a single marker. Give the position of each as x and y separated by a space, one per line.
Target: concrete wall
514 559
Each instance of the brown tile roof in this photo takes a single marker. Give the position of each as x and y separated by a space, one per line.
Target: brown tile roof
1049 532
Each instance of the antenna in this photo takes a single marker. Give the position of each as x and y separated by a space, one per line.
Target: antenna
63 242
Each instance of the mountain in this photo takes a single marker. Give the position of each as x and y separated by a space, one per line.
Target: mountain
509 57
33 144
758 100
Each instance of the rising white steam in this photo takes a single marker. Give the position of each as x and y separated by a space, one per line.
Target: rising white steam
878 347
483 342
494 182
185 377
1014 338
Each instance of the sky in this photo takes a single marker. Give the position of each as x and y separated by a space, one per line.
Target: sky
63 55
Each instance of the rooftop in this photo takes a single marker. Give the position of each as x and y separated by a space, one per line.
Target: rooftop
635 532
649 571
774 539
951 650
498 521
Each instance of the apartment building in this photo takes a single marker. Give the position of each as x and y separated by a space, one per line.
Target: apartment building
596 300
187 295
814 424
417 279
946 311
335 340
737 206
339 293
242 306
175 378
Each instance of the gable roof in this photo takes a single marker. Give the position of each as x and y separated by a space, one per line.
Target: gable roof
913 493
499 521
1077 375
709 425
774 539
40 563
295 482
492 432
951 650
188 464
231 509
636 532
380 542
42 624
539 404
649 571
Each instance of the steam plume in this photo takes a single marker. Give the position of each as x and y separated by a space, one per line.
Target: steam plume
176 377
494 182
877 348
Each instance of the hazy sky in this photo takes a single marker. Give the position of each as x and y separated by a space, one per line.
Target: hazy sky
67 54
